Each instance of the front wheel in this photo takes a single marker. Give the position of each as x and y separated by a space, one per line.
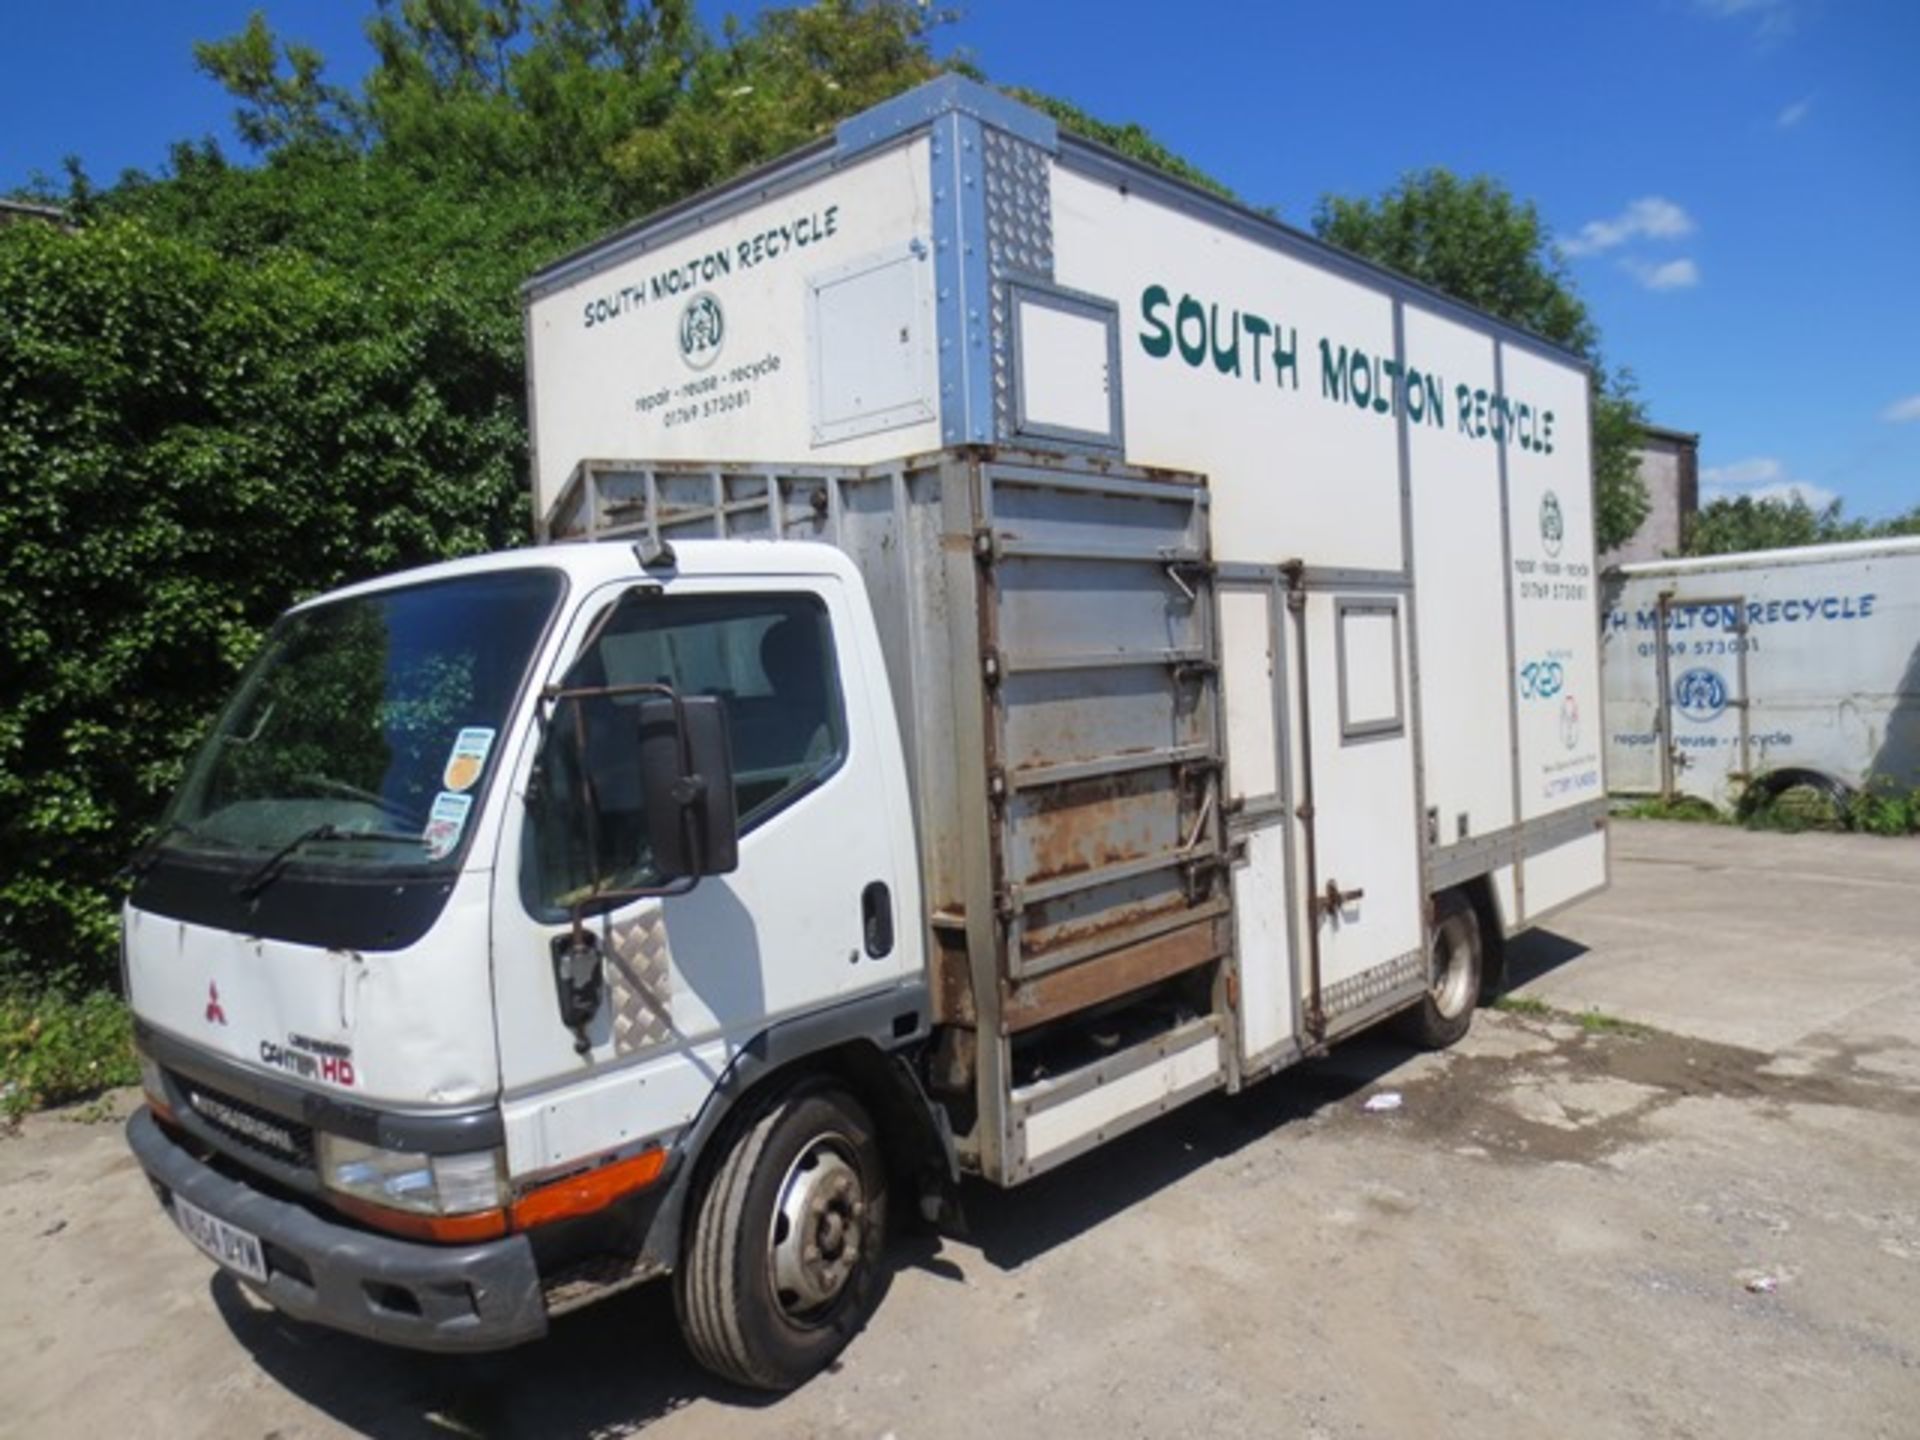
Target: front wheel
784 1262
1453 985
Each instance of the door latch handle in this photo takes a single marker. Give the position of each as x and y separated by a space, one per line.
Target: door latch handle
876 920
1333 900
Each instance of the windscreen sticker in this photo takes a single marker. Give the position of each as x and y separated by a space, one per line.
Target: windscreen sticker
468 757
445 822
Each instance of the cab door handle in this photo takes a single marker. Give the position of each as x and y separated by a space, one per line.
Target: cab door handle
876 919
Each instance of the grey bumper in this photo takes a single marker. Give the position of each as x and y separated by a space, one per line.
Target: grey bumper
426 1297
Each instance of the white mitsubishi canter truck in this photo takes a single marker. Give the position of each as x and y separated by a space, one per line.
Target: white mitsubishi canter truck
1021 644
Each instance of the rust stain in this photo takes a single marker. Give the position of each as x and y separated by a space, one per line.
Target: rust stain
1069 752
952 988
1083 825
1118 972
1043 939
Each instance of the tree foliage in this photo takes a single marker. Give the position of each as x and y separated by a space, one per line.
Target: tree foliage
187 445
235 385
1471 239
632 105
1739 523
1131 140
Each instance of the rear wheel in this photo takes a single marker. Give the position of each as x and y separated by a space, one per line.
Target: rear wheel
1796 800
1453 987
783 1264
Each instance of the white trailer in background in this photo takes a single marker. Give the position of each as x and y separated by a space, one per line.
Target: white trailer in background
1775 668
1045 644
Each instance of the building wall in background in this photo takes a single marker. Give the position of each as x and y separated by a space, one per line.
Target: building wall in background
1670 469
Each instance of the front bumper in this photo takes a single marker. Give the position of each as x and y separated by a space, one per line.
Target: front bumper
425 1297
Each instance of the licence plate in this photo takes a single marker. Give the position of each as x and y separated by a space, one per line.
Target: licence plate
233 1247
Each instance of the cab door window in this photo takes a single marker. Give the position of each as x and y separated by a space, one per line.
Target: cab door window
769 659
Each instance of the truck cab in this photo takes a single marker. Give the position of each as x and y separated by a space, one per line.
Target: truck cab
431 1003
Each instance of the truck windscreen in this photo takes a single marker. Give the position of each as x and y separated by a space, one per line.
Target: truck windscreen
364 736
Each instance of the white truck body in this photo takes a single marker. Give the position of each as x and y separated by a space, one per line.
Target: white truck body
1208 630
1775 666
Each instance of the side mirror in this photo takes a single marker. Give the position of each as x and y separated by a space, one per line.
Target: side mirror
686 776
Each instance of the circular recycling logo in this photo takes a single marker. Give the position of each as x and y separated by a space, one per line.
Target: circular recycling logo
1700 695
703 325
1553 526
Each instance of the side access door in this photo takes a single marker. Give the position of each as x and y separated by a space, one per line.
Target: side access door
1357 805
1254 692
1703 696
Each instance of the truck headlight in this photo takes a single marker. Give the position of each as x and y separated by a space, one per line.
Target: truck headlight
416 1183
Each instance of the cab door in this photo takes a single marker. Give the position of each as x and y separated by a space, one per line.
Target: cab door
810 916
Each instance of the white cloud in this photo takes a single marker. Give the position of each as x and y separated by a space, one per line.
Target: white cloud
1760 478
1794 113
1652 217
1771 19
1759 470
1901 411
1681 274
1814 497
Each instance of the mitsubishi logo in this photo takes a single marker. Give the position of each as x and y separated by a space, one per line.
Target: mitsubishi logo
215 1015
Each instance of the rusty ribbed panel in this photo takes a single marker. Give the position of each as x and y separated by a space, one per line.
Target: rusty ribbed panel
1097 622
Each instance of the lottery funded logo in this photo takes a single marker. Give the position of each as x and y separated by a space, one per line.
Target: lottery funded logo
703 325
1570 723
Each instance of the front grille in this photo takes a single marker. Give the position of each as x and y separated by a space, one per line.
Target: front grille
287 1141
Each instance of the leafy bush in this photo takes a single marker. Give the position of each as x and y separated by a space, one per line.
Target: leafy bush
230 387
1792 808
1880 807
1740 523
54 1048
187 445
1883 808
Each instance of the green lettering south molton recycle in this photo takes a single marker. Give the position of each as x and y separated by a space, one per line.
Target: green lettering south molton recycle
1243 345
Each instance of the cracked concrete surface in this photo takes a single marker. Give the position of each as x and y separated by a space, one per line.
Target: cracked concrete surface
1711 1228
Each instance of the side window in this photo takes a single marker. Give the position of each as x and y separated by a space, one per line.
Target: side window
769 660
1368 636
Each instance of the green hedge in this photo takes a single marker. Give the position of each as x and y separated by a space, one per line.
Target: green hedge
55 1048
189 441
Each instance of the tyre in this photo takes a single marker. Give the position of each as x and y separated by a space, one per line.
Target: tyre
1446 1010
1796 800
784 1261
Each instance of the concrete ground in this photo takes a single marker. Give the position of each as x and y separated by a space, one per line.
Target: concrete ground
1577 1230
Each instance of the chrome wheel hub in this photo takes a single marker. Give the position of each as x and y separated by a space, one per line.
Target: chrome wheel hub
819 1227
1452 975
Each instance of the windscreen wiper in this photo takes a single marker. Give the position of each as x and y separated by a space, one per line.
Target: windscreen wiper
269 869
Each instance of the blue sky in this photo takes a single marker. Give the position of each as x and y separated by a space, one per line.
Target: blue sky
1737 181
